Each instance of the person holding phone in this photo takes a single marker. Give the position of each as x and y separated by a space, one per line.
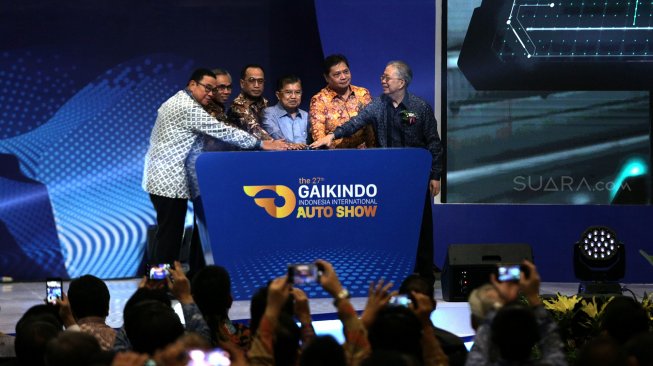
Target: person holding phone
514 329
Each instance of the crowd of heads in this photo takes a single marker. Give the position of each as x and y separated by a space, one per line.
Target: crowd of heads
279 332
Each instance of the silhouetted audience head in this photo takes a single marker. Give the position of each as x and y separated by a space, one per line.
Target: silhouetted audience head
211 288
639 350
72 349
286 341
34 330
89 296
601 351
323 351
390 358
418 284
624 318
151 325
396 328
514 330
144 294
482 300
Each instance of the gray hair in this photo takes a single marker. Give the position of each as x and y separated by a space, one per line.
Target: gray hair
481 302
219 71
404 71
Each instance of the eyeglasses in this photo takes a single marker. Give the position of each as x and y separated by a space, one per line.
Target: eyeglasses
386 77
223 87
256 81
207 88
290 93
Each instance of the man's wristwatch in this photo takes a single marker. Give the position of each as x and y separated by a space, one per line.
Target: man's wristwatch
343 294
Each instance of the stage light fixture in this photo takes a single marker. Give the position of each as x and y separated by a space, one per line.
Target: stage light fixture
599 261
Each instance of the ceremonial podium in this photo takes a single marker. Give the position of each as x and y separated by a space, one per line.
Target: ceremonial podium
361 210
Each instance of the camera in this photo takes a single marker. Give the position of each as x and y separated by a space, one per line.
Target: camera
158 272
53 290
215 357
303 273
400 300
509 272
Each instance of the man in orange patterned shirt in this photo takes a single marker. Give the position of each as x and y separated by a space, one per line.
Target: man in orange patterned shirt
337 103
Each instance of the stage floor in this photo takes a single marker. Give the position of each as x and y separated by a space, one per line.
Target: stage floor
16 298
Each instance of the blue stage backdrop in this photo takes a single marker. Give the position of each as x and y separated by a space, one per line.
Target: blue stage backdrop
359 209
80 85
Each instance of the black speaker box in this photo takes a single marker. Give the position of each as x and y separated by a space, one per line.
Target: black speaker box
468 266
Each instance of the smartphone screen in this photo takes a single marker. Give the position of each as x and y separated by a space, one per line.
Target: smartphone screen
158 272
304 273
215 357
509 273
53 290
400 300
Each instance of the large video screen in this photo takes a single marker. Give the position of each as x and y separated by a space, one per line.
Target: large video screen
545 145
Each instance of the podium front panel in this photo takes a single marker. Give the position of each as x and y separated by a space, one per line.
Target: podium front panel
358 209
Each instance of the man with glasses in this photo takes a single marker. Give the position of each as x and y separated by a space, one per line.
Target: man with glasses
401 119
247 109
285 120
178 133
337 103
217 105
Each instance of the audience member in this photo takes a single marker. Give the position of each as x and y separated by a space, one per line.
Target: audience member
151 325
247 109
34 329
89 302
211 289
337 103
639 350
601 351
624 318
452 345
285 120
508 335
179 286
75 349
323 351
482 300
401 119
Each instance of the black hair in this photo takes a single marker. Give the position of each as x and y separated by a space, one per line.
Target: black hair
323 351
72 349
331 61
34 329
287 79
416 283
623 318
243 71
286 340
514 330
89 296
151 325
391 321
211 288
199 74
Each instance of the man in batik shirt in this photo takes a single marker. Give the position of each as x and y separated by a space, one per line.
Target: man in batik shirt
247 109
337 103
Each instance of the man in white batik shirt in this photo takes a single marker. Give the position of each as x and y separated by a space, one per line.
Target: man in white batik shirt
178 135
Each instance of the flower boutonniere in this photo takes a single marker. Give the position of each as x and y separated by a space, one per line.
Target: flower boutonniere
409 117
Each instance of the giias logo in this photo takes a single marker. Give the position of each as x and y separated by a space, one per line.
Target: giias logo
268 203
314 199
